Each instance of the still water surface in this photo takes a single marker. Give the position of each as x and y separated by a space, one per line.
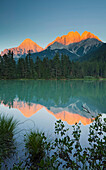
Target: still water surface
57 96
37 104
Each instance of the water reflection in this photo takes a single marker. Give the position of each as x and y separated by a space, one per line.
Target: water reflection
38 104
62 99
50 93
29 110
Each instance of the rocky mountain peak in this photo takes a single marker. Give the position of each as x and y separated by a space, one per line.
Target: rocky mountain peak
23 48
85 35
73 37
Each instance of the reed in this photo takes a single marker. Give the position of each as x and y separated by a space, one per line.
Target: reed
7 132
35 145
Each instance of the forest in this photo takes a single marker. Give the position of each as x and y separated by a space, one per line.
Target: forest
56 68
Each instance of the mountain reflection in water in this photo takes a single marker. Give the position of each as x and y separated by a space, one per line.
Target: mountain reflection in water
29 110
62 99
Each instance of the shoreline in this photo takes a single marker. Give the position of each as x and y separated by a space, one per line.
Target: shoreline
61 79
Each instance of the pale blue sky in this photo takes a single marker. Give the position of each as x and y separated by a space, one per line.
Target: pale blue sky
44 20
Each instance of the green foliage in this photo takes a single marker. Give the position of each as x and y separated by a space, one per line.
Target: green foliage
97 149
66 152
88 77
60 67
19 166
7 131
35 145
70 150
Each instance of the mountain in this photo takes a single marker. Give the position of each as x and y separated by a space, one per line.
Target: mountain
84 47
73 44
73 37
23 48
98 55
74 50
56 45
48 53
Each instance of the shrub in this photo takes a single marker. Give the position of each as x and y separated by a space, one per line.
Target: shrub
67 151
92 157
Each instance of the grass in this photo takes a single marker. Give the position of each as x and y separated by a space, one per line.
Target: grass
7 131
35 145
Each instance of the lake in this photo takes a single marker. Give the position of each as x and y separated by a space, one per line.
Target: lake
37 104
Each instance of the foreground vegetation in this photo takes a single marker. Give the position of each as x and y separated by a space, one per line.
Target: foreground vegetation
56 68
7 141
64 152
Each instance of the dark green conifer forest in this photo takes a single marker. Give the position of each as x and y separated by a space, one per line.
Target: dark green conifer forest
56 68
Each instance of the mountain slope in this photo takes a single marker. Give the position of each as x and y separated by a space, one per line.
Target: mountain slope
84 47
98 54
57 45
51 53
23 48
74 50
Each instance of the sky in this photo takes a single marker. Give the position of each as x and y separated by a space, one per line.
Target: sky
44 20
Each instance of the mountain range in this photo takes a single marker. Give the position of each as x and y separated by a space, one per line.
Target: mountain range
75 51
72 44
73 37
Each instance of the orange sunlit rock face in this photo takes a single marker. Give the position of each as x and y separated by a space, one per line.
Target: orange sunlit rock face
24 47
73 37
30 109
85 35
28 44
